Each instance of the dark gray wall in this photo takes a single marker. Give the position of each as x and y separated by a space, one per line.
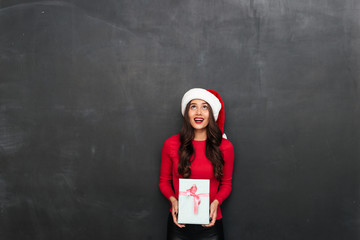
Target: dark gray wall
89 91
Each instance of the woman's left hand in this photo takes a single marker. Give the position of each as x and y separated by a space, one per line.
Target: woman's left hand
213 213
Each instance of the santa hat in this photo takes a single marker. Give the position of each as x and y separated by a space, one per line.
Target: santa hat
212 98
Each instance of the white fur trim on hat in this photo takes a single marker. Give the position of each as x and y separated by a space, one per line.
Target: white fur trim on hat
200 93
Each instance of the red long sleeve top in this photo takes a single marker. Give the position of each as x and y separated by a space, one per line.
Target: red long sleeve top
201 168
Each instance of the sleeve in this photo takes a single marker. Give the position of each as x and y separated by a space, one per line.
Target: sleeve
226 180
165 183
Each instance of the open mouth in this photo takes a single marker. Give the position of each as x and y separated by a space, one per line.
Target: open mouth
198 120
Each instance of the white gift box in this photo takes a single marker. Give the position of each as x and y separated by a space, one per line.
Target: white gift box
194 201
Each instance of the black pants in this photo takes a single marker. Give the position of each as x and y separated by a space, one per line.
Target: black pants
194 232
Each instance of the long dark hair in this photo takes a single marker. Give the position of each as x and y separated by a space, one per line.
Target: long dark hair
213 141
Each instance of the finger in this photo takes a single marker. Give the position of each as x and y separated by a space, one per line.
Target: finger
174 217
207 225
212 220
212 223
178 224
175 221
175 209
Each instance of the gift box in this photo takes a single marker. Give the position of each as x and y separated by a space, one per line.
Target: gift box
194 201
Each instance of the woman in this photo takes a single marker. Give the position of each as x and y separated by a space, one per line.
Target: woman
200 151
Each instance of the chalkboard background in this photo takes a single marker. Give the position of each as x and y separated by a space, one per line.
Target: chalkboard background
90 90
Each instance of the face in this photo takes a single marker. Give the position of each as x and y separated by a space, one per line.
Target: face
199 114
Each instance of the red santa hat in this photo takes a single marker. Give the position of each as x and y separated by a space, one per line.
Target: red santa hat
212 98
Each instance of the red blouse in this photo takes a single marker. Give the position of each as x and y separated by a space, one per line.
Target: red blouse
201 168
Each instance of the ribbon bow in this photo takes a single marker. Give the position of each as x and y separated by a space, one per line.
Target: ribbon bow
191 192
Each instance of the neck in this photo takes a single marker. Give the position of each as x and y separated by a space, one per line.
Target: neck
200 134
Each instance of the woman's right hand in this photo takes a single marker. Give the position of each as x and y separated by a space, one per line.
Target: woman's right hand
174 211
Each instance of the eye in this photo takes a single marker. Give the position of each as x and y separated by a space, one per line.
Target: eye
205 107
193 107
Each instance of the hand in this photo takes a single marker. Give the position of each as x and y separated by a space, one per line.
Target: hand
174 211
213 213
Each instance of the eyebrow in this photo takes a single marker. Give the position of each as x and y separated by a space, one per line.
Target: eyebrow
201 104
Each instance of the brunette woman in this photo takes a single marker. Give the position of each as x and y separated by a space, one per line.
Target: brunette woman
200 151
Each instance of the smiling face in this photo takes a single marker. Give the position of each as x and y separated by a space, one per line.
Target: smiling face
199 114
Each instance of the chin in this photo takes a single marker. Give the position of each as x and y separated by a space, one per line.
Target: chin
195 127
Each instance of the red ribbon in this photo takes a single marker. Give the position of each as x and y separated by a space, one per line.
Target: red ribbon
192 192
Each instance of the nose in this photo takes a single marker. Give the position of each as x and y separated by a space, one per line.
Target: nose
198 111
